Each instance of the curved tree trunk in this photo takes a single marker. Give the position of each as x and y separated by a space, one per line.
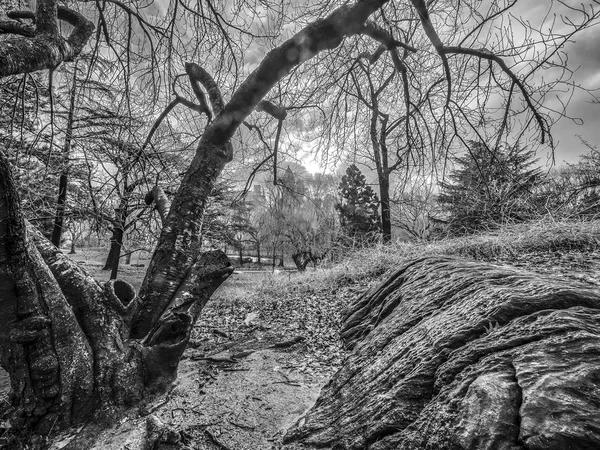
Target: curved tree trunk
66 338
161 202
451 354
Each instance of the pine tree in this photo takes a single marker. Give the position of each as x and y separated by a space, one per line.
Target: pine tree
358 206
489 187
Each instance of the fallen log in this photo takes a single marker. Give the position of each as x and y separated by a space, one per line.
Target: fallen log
454 354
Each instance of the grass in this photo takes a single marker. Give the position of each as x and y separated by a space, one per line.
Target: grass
505 244
93 259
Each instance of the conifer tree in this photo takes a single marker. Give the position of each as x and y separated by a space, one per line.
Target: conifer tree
358 206
489 187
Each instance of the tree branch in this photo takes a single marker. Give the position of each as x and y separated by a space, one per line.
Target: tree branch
198 75
160 199
21 54
486 54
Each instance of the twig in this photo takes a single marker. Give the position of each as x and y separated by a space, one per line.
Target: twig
240 425
290 383
221 333
288 343
215 441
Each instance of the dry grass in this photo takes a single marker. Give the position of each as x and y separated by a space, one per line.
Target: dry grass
363 266
92 260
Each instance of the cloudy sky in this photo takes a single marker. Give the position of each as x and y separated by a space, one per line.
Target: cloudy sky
584 54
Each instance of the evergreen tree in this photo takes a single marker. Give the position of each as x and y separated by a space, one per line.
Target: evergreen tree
358 206
489 187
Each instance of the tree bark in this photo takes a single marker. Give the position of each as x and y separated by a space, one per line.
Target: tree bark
72 251
44 50
180 238
34 352
61 202
161 202
111 252
386 218
65 338
449 354
117 243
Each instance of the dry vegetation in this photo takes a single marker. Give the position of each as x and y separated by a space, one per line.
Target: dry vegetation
310 304
238 333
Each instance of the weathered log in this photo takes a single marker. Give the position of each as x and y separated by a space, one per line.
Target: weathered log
452 354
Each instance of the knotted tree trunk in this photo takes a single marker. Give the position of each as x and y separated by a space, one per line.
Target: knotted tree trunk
66 338
450 354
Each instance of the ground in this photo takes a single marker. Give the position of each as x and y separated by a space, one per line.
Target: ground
256 362
267 343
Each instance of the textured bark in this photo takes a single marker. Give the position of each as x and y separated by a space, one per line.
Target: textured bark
80 347
47 49
65 338
50 366
161 201
450 354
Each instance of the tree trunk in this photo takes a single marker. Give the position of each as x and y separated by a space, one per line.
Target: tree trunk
451 354
161 203
74 347
117 244
273 260
72 251
258 252
386 219
111 253
60 209
61 202
65 338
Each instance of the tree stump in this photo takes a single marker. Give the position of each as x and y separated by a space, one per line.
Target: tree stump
454 354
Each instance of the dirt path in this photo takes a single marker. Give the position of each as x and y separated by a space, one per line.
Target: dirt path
253 366
227 402
243 405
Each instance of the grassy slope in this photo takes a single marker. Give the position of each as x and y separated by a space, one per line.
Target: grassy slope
310 304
